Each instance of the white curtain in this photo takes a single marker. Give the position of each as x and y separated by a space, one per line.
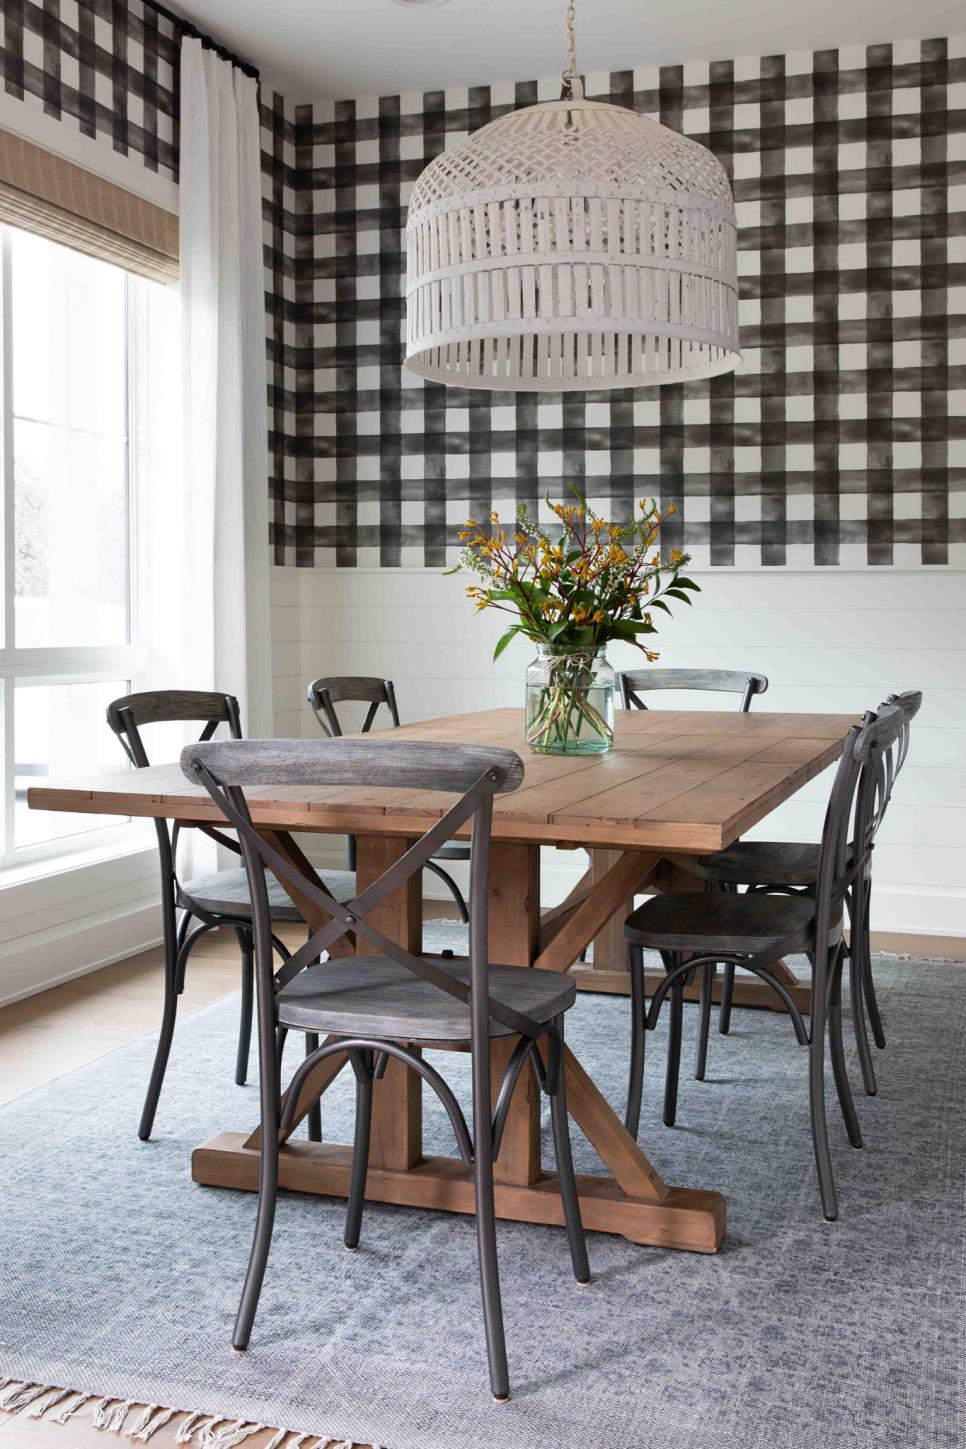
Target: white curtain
225 422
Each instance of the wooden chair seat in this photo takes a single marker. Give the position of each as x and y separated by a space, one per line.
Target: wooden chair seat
226 893
763 862
704 922
372 996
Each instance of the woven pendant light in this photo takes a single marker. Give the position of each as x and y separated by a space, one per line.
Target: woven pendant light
572 245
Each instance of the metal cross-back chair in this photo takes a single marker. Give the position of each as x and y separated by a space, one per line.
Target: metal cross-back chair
633 683
219 898
791 868
323 695
389 1004
695 931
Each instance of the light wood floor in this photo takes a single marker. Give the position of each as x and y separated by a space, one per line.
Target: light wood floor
50 1034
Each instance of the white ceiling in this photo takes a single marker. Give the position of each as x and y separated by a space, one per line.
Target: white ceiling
340 48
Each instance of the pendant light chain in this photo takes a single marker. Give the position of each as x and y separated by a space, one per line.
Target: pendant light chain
571 78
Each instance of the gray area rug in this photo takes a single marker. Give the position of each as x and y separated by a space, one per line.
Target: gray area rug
120 1277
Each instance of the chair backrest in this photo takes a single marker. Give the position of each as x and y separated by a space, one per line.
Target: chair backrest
634 683
163 706
473 773
910 703
854 806
325 693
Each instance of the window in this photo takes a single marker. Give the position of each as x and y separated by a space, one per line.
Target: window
69 355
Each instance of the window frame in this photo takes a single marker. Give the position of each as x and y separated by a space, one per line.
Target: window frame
59 664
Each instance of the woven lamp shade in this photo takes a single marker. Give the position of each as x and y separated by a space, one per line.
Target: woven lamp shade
572 246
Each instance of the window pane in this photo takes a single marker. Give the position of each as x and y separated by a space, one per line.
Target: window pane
70 448
69 340
60 733
70 512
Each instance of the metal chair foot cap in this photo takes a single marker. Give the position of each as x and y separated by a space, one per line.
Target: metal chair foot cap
239 1347
583 1282
501 1398
351 1247
831 1217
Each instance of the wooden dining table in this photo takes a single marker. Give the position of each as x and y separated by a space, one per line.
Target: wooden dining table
677 785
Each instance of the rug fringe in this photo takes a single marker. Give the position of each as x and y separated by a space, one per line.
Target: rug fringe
18 1397
40 1406
231 1433
142 1432
70 1408
187 1429
204 1431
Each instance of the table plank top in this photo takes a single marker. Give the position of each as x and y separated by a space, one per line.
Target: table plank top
676 780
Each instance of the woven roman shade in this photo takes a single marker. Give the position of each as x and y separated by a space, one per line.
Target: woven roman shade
43 193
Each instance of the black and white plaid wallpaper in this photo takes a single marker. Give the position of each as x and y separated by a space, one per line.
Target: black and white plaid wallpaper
840 440
108 68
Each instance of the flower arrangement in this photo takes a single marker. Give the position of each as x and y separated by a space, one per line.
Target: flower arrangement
572 594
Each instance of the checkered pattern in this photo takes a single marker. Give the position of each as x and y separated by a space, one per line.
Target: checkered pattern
279 208
109 68
841 438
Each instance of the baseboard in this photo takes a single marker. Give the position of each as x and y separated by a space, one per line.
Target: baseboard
927 948
48 958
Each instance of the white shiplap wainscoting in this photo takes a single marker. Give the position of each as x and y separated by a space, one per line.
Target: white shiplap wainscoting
828 639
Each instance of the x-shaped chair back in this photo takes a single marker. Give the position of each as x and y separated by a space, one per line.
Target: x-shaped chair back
877 752
909 702
164 706
324 694
720 681
476 774
854 805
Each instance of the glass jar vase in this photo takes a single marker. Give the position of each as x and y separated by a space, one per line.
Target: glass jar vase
570 703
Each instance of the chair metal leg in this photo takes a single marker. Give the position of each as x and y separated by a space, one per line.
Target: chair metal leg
281 1033
452 887
857 995
565 1174
727 996
247 1003
816 1086
268 1070
837 1050
635 1083
674 1052
362 1066
313 1119
168 1017
704 1021
486 1227
868 984
183 925
728 979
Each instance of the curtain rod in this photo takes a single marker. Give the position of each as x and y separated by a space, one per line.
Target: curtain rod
186 28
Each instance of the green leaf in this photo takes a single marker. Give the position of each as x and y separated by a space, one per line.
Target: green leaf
504 639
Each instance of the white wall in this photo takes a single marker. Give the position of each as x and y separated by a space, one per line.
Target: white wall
828 639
